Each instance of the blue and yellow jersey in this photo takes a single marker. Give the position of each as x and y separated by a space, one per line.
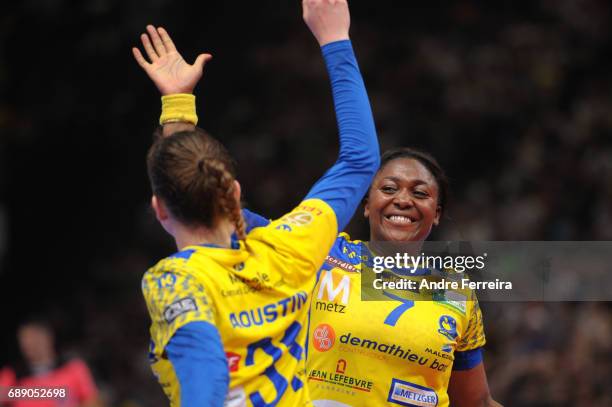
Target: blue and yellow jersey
400 352
257 297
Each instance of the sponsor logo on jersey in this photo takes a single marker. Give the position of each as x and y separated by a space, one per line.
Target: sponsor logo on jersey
330 307
180 307
167 280
297 219
410 394
445 348
341 264
268 313
367 347
323 337
311 209
236 397
332 285
341 380
451 299
334 292
448 327
242 285
233 361
302 216
341 366
258 281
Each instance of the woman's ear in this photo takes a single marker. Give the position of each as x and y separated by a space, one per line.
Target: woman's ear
436 220
237 191
161 213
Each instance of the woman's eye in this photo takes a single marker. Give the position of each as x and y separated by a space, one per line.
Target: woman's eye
388 189
421 194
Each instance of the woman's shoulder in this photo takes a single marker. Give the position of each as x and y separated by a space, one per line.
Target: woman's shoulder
346 249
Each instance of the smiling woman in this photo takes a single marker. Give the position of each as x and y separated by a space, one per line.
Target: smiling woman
407 351
432 352
407 196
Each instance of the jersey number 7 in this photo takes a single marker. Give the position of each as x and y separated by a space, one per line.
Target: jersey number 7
397 312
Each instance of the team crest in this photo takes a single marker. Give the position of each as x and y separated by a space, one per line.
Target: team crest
448 327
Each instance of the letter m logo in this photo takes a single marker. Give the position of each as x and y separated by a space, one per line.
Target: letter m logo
332 285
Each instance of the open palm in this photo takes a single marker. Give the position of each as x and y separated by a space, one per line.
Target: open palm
167 68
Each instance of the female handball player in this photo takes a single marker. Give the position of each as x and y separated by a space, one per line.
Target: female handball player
244 300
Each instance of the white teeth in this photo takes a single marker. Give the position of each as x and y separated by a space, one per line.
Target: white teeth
400 219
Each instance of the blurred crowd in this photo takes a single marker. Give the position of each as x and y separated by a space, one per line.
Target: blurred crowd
513 99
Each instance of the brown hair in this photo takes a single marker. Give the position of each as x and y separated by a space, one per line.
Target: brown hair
194 175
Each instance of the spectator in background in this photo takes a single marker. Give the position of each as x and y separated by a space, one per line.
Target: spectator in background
41 366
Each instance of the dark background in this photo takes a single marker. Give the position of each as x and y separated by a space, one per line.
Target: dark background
513 98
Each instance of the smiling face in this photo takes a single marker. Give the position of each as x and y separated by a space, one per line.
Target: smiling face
402 203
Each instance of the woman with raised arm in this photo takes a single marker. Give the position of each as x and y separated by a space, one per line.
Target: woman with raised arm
229 315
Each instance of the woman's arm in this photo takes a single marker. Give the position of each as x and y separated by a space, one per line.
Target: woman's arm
345 183
307 233
469 388
358 156
197 355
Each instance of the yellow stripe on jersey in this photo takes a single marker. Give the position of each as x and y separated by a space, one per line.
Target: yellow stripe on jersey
257 296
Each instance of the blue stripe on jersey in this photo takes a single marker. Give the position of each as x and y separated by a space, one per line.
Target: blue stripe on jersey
197 355
467 359
185 254
253 220
345 183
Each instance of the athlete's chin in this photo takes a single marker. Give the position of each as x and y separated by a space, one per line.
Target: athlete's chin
403 234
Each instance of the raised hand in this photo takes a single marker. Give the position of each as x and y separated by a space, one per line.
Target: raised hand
167 68
328 20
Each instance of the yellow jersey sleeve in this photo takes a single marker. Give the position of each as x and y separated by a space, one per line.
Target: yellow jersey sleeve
473 337
174 298
302 238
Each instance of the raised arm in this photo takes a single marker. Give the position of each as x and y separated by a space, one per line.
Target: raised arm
344 185
308 232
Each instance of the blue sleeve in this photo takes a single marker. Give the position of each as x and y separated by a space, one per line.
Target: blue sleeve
253 220
197 355
345 183
467 359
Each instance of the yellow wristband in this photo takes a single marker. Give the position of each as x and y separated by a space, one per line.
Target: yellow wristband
179 107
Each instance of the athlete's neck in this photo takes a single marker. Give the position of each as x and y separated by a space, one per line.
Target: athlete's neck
42 362
220 235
